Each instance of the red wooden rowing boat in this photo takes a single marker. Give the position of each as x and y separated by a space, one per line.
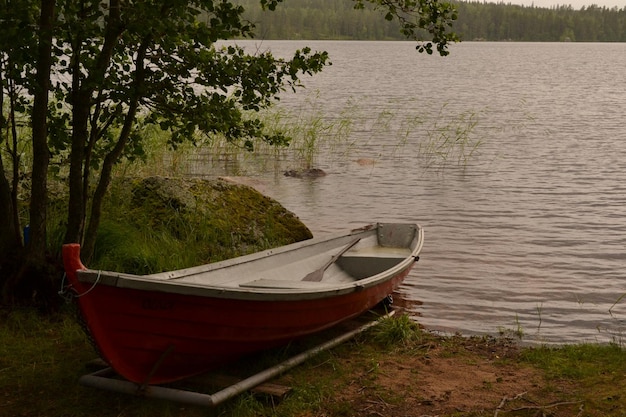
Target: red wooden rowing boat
163 327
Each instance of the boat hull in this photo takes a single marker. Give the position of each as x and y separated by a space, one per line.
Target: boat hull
151 337
154 337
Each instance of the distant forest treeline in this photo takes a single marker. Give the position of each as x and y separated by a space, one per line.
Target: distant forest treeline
336 19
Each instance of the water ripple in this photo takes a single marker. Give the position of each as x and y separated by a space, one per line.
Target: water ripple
530 234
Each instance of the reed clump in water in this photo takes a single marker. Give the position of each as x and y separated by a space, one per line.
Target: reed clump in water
318 138
450 140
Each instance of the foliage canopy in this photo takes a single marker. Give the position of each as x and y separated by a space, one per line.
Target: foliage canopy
82 80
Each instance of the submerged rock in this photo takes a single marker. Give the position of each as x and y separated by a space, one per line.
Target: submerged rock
305 173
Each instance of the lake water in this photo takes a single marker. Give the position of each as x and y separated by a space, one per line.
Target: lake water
524 217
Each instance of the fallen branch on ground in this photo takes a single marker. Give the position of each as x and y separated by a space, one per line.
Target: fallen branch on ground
506 399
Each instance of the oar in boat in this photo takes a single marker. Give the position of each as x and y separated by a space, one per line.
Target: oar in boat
318 274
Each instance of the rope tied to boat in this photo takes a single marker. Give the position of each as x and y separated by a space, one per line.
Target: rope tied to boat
64 292
69 292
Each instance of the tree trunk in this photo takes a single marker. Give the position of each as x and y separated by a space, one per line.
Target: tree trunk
27 278
10 241
115 154
81 108
9 237
41 154
76 205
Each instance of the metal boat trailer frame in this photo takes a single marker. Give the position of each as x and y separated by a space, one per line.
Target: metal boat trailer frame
105 378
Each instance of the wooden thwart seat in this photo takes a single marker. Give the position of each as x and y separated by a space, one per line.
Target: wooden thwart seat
283 284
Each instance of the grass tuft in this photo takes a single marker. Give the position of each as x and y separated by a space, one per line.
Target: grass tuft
396 330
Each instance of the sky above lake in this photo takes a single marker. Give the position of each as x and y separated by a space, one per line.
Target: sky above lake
576 4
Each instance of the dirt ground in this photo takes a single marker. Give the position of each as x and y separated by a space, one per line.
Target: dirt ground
471 377
443 376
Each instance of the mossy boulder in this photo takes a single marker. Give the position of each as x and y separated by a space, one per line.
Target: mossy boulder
230 207
172 223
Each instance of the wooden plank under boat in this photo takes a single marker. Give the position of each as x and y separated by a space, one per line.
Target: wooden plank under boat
158 328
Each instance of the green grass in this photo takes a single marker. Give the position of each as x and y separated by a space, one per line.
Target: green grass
597 373
40 361
582 362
